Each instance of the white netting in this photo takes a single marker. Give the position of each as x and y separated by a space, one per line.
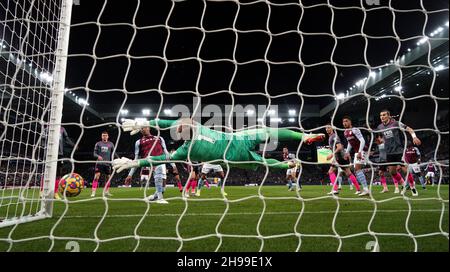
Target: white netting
140 58
29 33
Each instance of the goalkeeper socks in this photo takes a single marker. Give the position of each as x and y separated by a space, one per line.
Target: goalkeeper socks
383 182
94 185
361 178
355 182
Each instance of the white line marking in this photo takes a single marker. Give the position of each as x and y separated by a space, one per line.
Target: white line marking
244 213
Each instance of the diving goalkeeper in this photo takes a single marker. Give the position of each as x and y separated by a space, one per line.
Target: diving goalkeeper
204 144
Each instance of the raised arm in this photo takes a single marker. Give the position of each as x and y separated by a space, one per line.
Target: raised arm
124 163
135 126
162 123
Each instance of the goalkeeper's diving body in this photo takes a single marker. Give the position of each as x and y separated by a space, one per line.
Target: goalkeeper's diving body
205 145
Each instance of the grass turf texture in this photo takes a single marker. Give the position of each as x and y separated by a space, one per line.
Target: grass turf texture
128 218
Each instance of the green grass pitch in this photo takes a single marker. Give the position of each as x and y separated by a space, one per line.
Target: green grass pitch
126 223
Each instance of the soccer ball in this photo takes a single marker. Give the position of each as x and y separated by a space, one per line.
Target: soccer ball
71 185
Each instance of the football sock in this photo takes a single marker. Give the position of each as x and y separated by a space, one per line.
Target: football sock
383 182
361 178
355 182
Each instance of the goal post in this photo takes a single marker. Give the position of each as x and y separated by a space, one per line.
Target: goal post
38 70
56 107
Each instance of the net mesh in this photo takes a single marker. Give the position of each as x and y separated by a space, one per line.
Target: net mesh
250 45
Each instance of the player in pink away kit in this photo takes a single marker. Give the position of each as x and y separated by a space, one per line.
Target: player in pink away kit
393 139
356 141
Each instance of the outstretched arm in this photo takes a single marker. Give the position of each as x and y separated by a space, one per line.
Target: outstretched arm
125 163
135 126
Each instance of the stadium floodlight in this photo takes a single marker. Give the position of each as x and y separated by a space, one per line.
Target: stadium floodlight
440 67
275 120
422 41
291 120
124 112
292 112
83 101
340 96
373 74
360 82
409 49
168 112
66 90
146 112
446 24
398 88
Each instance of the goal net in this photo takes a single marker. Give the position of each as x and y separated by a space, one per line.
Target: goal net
71 73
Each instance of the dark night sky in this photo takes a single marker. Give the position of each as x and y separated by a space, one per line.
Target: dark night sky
122 53
146 47
298 60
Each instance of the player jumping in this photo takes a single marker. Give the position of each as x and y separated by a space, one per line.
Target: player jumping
393 143
204 144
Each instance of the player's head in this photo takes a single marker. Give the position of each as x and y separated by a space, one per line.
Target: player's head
385 116
105 136
347 121
329 129
145 131
285 150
